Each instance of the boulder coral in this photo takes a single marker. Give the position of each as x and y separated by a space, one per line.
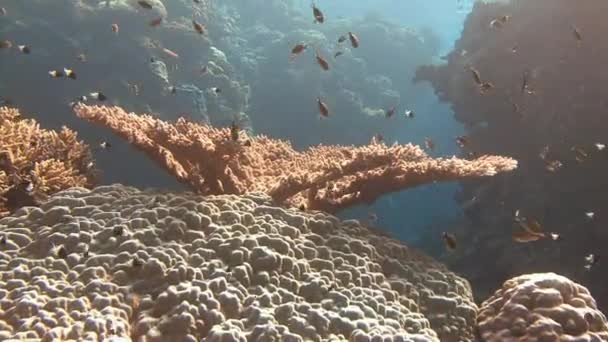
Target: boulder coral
115 262
328 178
541 307
49 160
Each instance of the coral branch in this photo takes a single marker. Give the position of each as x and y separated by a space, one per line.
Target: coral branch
324 177
49 160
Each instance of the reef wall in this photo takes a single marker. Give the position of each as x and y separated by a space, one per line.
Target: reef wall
551 123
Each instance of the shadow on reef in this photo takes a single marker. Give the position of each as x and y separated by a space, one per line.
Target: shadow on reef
547 110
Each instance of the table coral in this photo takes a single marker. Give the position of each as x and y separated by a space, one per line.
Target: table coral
51 160
116 262
542 307
324 177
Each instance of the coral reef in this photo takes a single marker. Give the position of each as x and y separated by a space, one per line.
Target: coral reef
555 115
541 307
326 178
118 262
35 162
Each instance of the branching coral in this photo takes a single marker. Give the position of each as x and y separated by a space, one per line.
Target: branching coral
324 177
50 160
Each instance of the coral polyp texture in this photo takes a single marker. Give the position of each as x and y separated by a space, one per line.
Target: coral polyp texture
119 262
328 178
49 160
541 307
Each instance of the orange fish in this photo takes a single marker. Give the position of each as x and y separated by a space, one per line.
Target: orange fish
155 22
449 240
323 109
322 62
170 53
198 27
296 51
354 40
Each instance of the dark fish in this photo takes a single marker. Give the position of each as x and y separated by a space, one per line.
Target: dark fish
62 252
247 143
172 90
462 141
56 73
354 40
449 240
378 138
69 73
104 145
390 112
318 15
429 143
198 27
24 49
342 39
144 4
409 114
99 96
2 11
115 28
234 131
485 86
20 195
577 34
322 62
591 260
302 207
337 54
476 76
323 109
216 90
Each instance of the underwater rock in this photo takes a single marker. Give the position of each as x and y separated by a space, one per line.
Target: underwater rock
186 266
541 307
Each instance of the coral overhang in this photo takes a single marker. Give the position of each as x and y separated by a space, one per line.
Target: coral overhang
326 178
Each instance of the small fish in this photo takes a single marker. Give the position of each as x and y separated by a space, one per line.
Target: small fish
198 27
302 207
62 252
323 109
322 62
2 11
500 21
580 154
462 141
484 87
216 90
390 112
115 28
170 53
79 99
337 54
372 217
476 76
155 22
172 90
3 240
526 236
354 40
24 49
600 147
69 73
449 240
234 131
104 145
524 82
81 57
99 96
577 34
544 152
554 165
590 261
590 215
429 143
204 70
296 51
5 44
56 73
247 143
514 48
144 4
409 114
341 39
378 138
317 14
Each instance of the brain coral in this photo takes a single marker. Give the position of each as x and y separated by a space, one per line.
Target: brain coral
118 263
542 307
